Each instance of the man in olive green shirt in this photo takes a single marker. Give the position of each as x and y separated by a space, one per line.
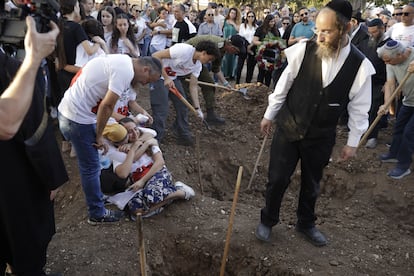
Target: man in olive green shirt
224 46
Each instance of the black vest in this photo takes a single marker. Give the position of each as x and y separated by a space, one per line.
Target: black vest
311 111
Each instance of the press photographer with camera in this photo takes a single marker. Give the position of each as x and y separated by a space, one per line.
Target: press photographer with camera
31 166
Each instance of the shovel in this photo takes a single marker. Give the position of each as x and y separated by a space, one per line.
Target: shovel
386 105
189 106
243 90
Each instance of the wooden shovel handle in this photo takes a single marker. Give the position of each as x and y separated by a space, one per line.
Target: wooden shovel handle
386 105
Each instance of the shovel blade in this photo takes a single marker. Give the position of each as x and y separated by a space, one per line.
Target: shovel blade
243 91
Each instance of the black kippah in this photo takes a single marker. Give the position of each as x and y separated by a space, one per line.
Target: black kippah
375 22
341 6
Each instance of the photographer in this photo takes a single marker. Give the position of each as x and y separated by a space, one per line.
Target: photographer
31 168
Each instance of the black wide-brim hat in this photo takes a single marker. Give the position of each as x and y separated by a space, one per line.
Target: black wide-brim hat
342 7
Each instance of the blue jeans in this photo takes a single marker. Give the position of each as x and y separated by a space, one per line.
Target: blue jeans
82 138
402 146
144 48
159 95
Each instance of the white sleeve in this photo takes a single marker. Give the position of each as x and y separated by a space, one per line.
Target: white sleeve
191 28
360 103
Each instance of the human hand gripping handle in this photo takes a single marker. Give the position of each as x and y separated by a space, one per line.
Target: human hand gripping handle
101 145
39 45
200 113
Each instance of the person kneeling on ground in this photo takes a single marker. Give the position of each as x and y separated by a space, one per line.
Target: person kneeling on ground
145 166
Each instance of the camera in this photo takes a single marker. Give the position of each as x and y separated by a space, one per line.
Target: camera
13 25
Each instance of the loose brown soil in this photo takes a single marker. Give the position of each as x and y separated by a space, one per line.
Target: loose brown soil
367 217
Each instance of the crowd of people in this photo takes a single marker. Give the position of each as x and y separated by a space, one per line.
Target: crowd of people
348 71
326 65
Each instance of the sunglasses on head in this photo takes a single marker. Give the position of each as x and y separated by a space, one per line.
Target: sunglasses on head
304 14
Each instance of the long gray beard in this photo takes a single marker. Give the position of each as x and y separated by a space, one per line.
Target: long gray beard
326 52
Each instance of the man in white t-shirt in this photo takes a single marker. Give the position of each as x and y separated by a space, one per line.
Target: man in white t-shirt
84 112
403 31
179 61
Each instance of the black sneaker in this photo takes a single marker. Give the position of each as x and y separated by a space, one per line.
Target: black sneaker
110 216
215 120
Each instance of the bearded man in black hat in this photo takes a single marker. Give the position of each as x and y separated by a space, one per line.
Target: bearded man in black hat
359 32
377 39
322 79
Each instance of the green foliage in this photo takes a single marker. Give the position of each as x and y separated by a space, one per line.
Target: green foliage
259 5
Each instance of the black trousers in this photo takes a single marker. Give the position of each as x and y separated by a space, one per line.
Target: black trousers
314 155
264 76
376 102
251 63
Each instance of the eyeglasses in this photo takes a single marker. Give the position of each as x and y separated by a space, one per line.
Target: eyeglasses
406 13
397 14
210 14
304 14
324 32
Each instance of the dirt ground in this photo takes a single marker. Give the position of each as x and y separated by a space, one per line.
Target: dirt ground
366 216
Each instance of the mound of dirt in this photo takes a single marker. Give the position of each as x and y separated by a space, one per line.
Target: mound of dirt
366 216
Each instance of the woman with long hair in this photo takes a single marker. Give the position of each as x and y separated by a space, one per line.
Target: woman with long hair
70 37
231 27
247 30
266 34
107 17
123 40
141 163
92 28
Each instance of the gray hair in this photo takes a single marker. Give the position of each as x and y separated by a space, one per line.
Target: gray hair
392 48
153 63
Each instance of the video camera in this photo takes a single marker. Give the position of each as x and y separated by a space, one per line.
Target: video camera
13 24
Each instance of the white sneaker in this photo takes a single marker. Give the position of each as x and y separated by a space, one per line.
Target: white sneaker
189 192
371 143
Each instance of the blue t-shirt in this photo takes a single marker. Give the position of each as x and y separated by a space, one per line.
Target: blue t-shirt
300 29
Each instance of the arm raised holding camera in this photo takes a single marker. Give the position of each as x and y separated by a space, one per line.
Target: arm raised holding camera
16 99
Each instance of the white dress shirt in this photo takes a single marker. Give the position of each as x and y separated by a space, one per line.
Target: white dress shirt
359 95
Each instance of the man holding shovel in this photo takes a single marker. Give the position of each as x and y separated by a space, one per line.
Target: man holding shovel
225 47
178 62
322 79
399 60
